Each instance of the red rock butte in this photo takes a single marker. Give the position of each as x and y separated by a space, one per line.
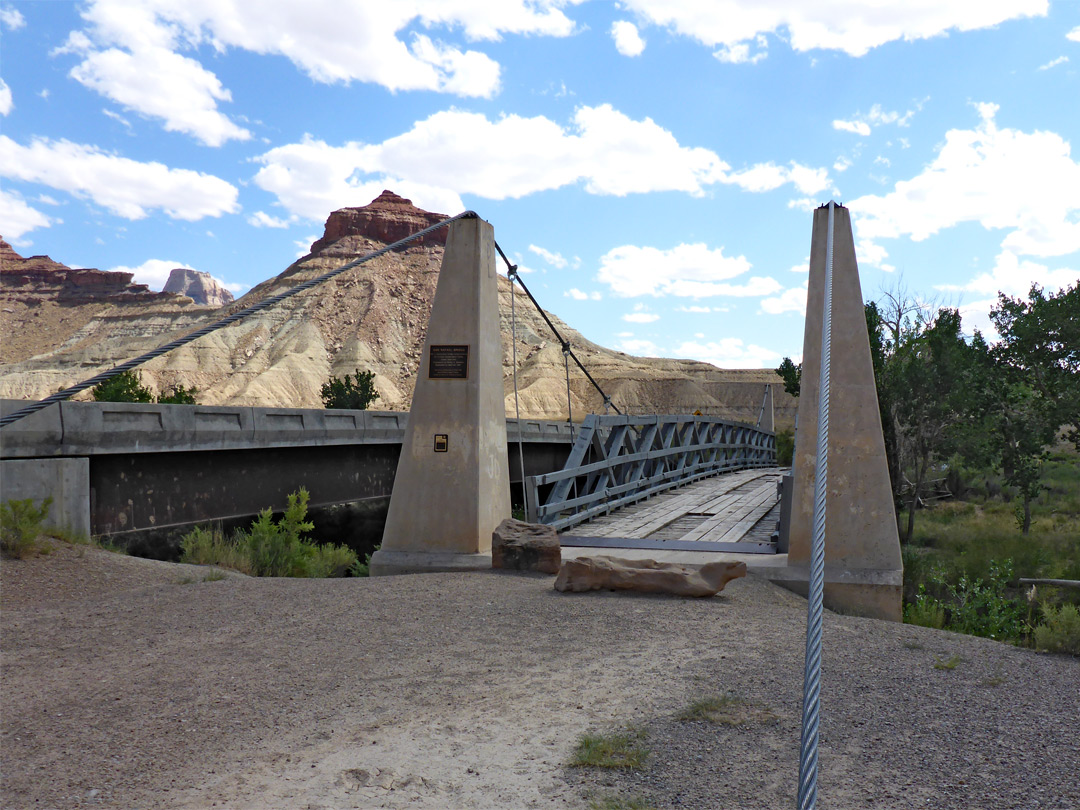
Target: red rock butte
387 219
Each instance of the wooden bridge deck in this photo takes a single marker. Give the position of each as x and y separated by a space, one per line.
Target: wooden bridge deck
733 512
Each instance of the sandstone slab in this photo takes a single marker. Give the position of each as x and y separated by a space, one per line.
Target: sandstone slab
520 546
645 576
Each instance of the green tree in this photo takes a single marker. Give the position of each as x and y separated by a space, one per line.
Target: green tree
124 387
1035 388
353 393
791 374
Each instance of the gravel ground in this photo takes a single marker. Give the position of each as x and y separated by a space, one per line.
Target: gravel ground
470 690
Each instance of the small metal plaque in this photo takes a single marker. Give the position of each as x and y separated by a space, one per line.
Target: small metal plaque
448 363
442 443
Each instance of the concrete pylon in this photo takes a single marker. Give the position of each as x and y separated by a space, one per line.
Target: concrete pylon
453 485
863 568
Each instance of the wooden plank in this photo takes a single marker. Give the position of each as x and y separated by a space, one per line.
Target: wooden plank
578 541
735 515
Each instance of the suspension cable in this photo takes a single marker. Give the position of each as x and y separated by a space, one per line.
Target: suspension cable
808 748
67 393
565 345
512 274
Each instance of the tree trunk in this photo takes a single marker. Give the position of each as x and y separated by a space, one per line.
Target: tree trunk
1027 515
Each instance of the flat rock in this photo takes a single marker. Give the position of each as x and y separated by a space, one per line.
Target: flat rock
646 576
520 546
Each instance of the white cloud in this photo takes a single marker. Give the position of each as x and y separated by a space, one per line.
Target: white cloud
632 271
790 300
857 127
641 317
842 164
6 104
116 117
695 309
638 347
729 353
455 152
576 294
1024 183
803 204
854 28
127 188
1014 276
1074 35
1061 60
153 272
739 52
260 219
11 19
628 41
160 83
17 217
132 51
303 246
554 259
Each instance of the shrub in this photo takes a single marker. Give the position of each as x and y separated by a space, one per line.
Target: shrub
362 569
353 393
179 396
1061 630
20 525
124 387
269 548
925 611
210 547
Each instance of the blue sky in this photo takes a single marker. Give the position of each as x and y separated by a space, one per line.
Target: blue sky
651 164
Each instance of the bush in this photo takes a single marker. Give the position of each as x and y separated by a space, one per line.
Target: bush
124 387
351 393
362 569
925 611
1061 630
179 396
20 525
210 547
127 387
269 548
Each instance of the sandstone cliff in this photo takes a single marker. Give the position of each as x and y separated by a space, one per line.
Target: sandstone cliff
372 317
200 287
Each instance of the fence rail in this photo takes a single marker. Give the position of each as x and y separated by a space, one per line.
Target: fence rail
634 457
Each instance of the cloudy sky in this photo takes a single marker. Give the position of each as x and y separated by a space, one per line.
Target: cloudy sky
651 164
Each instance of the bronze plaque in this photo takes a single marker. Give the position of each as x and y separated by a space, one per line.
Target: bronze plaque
442 443
448 363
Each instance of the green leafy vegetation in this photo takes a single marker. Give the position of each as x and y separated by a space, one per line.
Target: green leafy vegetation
785 447
363 568
617 750
20 526
270 548
351 392
1060 631
127 387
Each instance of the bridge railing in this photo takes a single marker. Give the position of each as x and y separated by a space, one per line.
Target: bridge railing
634 457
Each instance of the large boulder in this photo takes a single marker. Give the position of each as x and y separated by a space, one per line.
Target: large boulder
646 576
520 546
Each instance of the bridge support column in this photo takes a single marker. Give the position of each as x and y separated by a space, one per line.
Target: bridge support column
863 568
453 485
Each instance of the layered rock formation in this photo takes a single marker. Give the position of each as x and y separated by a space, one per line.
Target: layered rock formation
371 318
200 287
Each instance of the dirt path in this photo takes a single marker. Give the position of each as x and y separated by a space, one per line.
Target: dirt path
470 690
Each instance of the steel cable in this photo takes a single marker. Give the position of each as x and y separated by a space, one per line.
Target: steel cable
67 393
808 747
565 345
512 275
